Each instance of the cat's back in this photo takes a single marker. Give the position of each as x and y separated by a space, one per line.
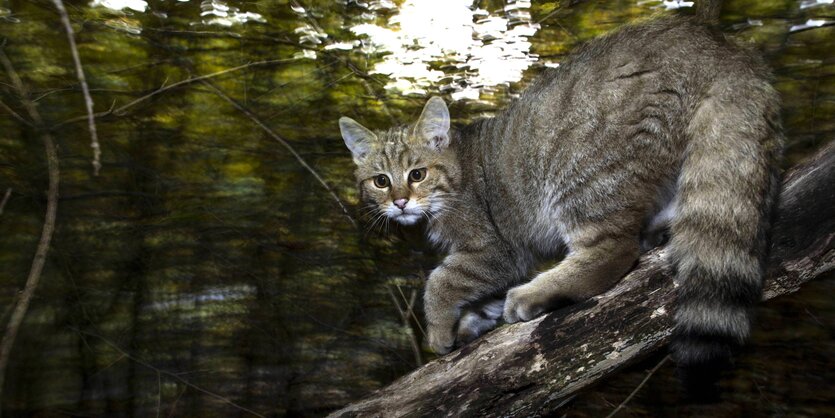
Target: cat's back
678 48
643 77
676 55
610 121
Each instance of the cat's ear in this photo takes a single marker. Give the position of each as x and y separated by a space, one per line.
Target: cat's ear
357 137
433 124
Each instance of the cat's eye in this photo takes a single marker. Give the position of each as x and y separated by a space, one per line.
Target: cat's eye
417 175
381 181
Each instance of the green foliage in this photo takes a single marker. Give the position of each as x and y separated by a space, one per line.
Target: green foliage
204 248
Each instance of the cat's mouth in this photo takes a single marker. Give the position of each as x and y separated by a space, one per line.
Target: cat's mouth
405 213
405 218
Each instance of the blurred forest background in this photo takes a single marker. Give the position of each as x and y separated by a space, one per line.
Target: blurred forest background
208 271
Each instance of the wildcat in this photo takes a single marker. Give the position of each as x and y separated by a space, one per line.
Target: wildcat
660 125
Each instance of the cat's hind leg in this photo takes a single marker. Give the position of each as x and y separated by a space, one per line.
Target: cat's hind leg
479 319
596 261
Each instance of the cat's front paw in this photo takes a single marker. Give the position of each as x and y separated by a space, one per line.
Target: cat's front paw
523 304
441 338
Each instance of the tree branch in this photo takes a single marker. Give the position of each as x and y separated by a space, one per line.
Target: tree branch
88 100
5 200
406 318
39 260
14 114
174 376
638 388
122 109
243 109
533 368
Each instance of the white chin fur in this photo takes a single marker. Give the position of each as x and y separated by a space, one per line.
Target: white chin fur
406 219
410 215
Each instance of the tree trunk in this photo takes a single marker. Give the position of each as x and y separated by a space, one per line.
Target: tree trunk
533 368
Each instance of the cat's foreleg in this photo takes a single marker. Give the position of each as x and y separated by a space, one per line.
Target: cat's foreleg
462 279
593 265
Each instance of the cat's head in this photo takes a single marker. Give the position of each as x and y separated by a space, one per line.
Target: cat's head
405 173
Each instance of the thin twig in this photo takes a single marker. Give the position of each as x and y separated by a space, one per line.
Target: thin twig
159 393
412 311
174 376
121 109
643 382
109 365
815 318
404 316
39 260
88 100
412 298
394 301
14 114
5 199
380 98
284 143
176 400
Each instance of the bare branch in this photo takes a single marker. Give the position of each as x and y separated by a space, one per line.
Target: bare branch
119 111
404 316
5 199
380 98
643 382
15 115
88 100
159 392
174 376
176 400
411 310
39 260
284 143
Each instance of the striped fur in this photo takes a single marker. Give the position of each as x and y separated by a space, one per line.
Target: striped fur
662 125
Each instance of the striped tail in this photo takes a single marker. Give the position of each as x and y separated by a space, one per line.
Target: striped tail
719 235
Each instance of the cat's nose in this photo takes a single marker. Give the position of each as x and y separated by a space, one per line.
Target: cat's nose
400 203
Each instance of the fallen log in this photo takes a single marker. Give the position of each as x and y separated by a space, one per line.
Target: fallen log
533 368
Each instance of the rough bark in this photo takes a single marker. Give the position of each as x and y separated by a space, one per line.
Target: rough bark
708 11
532 368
